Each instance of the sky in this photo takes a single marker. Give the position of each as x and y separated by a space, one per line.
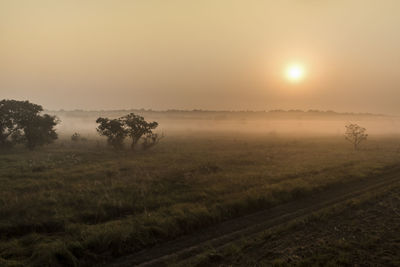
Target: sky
209 54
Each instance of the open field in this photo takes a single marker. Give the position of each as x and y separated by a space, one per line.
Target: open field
199 133
67 204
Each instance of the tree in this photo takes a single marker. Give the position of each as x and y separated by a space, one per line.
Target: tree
132 125
355 134
114 130
21 122
40 131
136 127
7 126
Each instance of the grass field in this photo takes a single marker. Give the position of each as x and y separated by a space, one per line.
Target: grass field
67 204
360 232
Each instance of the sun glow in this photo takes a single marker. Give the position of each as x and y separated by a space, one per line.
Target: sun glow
295 73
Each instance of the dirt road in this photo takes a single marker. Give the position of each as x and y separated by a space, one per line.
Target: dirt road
231 230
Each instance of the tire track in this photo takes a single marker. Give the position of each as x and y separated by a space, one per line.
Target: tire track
223 233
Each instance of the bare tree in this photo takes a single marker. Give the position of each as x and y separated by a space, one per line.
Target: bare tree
355 134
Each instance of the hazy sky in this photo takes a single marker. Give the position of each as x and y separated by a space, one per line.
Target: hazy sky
208 54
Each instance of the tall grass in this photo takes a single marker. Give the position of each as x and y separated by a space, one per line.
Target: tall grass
65 205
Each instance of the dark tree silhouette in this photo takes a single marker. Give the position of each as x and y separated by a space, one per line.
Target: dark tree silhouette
132 125
355 134
21 122
7 125
39 131
114 130
136 127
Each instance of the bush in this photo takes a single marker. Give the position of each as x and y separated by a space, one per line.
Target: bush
76 137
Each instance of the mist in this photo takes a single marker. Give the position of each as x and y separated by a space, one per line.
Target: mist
295 124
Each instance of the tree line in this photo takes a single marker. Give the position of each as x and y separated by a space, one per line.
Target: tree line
22 122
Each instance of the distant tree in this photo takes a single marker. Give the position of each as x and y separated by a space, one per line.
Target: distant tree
132 125
136 127
114 130
39 131
76 137
355 134
7 125
21 122
150 140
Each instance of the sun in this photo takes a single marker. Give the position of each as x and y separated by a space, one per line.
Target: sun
295 72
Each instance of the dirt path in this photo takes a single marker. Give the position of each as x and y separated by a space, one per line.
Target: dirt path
234 229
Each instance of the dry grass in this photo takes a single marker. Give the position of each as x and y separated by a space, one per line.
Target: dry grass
67 204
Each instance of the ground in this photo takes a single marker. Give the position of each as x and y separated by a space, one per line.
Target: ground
79 204
361 233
